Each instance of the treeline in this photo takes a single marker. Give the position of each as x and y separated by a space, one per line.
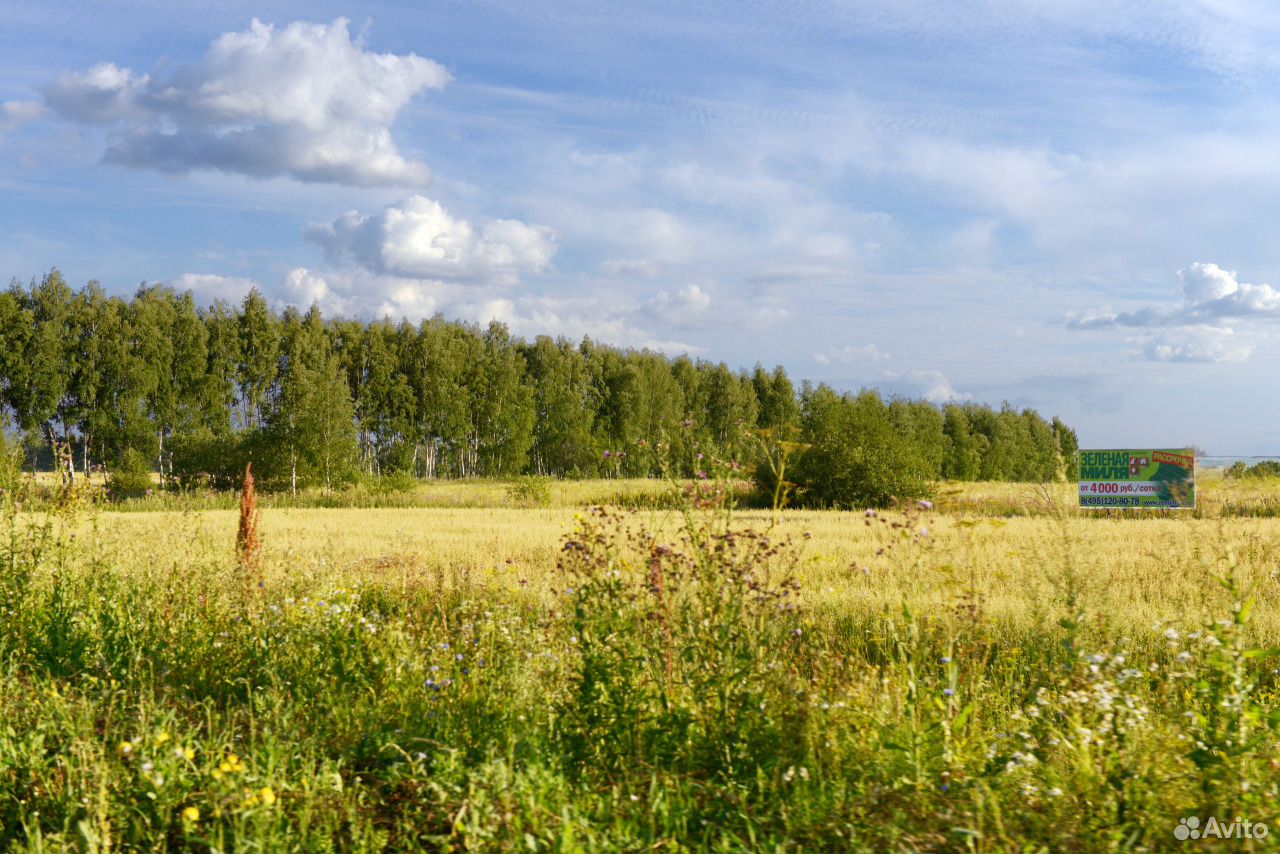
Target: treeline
160 385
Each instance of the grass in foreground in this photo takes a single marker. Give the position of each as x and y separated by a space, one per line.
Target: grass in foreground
686 679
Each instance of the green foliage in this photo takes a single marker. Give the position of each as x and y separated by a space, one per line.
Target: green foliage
855 455
530 491
131 477
1265 468
203 458
674 694
88 376
310 433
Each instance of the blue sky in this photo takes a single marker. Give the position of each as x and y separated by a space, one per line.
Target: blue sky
1065 205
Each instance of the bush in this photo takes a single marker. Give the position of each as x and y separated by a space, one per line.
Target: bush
1266 468
855 457
131 476
205 458
530 491
392 483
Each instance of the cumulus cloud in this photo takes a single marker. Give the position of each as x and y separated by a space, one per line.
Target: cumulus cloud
604 320
687 305
357 293
850 355
1198 344
208 288
1197 326
101 95
419 239
1208 293
303 101
932 386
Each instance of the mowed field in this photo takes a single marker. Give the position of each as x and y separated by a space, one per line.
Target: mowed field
997 671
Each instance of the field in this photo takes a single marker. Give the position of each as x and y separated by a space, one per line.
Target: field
470 666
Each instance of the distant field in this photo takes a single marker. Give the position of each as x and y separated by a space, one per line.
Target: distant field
476 537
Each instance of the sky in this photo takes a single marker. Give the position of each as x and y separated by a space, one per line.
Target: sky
1068 205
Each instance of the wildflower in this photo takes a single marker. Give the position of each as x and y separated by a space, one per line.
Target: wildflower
946 659
948 692
267 796
125 748
1171 634
925 505
231 765
162 738
1055 792
191 814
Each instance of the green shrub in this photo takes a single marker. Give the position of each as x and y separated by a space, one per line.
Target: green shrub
854 457
130 477
1266 468
530 491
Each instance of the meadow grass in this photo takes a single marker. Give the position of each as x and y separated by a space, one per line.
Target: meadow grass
507 677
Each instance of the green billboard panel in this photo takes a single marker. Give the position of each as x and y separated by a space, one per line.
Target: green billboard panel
1147 478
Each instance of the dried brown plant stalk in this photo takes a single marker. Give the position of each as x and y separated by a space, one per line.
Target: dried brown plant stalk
248 545
657 586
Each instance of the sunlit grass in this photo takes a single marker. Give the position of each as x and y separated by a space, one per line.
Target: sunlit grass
457 677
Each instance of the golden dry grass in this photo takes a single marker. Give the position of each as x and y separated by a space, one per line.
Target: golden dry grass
1127 572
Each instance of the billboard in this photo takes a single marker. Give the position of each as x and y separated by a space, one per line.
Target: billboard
1146 478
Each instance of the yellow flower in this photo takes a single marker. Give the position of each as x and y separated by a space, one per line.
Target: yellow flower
162 738
267 796
191 814
125 748
188 753
217 775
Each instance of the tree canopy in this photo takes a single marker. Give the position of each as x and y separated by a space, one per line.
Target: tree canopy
101 381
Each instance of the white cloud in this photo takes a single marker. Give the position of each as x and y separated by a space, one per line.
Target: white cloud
1198 344
624 268
932 386
1196 332
104 94
419 239
1208 293
208 288
355 293
15 114
850 355
303 287
687 305
303 101
606 320
358 294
